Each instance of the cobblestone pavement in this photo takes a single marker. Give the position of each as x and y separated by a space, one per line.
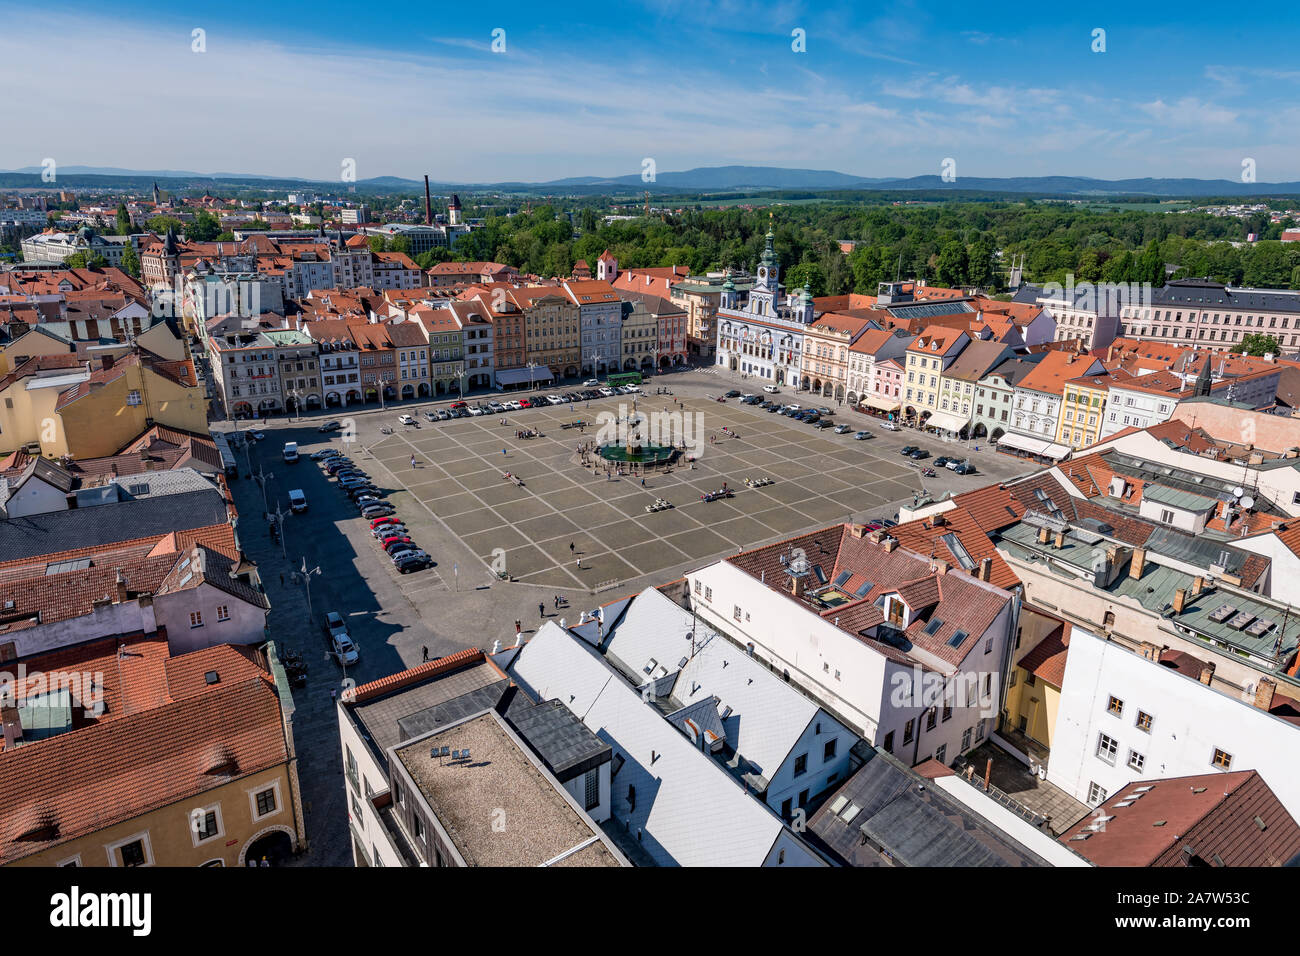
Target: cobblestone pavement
455 512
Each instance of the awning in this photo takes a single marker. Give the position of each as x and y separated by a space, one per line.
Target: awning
881 405
947 421
1035 446
520 376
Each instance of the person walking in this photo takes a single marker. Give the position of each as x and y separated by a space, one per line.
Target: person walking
281 579
541 610
424 651
519 626
412 461
570 547
579 562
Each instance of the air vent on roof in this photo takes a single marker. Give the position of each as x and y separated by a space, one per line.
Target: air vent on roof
839 804
1222 613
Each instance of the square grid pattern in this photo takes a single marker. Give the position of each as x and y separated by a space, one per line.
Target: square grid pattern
820 478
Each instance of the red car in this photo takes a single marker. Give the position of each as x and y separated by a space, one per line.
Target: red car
525 403
459 405
389 519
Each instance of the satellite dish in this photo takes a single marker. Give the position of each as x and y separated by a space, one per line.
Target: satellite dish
1238 491
1248 503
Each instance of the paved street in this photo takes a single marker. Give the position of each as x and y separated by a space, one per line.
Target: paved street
460 510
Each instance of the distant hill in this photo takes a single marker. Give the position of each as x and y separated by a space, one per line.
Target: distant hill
704 179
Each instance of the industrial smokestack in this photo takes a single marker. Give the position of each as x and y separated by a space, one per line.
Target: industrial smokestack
428 205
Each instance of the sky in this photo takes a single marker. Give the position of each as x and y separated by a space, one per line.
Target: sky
298 88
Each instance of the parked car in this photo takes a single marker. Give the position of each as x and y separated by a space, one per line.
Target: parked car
771 389
606 391
459 405
405 419
400 543
825 411
334 465
907 450
843 429
297 501
942 461
412 562
591 383
555 399
377 522
919 454
891 426
326 453
862 436
431 416
335 627
255 435
378 510
952 463
388 530
964 469
331 426
291 452
410 552
823 423
444 415
345 650
733 393
771 407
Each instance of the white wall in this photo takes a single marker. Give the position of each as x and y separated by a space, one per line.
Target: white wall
247 622
784 785
1189 721
104 621
35 497
577 788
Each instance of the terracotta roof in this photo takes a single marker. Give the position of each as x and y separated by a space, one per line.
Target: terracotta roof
1046 660
413 675
1185 821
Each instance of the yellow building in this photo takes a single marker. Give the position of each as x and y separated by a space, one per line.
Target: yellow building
202 770
70 406
1034 686
1083 410
928 357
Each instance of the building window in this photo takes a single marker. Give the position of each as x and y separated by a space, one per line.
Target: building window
223 613
1136 760
196 618
800 765
1115 707
133 853
1222 760
965 739
931 718
941 753
1096 794
1144 722
908 730
889 742
736 612
591 789
1107 747
828 752
265 802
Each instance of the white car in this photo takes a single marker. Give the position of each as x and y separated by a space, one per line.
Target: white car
555 399
607 391
591 383
345 650
475 410
297 501
513 406
771 389
634 387
406 419
890 426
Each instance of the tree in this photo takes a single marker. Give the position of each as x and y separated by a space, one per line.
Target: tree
204 228
84 260
1257 343
809 273
226 236
123 220
130 261
1267 266
160 224
952 266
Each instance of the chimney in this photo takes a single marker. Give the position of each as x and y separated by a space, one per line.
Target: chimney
428 204
1110 352
890 544
1292 453
1180 600
13 726
876 536
858 530
938 521
940 566
1198 585
121 587
1151 652
1207 672
1139 562
1059 543
1042 535
986 569
796 586
1264 693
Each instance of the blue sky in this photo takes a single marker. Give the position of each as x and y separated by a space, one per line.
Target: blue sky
1003 89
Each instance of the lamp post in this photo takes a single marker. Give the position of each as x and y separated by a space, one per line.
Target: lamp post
531 366
279 523
306 580
262 478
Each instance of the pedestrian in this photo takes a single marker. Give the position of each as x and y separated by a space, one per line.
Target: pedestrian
412 461
519 625
643 482
541 610
281 579
570 547
425 652
579 562
503 452
334 694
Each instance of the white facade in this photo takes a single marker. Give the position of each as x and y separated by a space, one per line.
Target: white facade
871 691
1130 407
1189 723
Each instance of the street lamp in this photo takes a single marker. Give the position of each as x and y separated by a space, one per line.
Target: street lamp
306 580
531 366
279 524
262 478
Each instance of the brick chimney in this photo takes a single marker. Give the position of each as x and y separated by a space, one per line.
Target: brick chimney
1198 585
1207 672
13 727
941 566
120 585
1059 543
1180 600
1043 535
797 586
876 536
986 569
1264 691
857 530
1138 563
890 544
938 521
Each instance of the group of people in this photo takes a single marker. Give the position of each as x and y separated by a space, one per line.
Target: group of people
528 433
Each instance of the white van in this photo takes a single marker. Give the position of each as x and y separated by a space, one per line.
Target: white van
771 389
291 451
297 501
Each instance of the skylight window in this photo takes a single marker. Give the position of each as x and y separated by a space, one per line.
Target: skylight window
933 627
957 638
